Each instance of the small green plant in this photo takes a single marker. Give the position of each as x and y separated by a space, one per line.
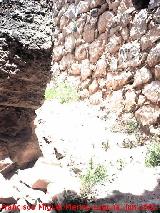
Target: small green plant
131 127
127 143
105 146
95 174
152 158
63 92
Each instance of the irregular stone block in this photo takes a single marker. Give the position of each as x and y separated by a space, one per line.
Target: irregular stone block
139 25
142 76
157 72
147 115
129 55
118 81
148 40
105 21
25 59
152 92
154 56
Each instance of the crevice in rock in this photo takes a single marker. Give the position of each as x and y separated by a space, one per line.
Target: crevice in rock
141 4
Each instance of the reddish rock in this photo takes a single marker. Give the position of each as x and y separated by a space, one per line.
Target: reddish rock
66 61
105 21
95 3
157 72
142 76
64 21
93 87
130 100
101 68
147 115
96 98
75 69
125 34
58 53
83 7
84 94
96 49
85 69
88 34
152 92
129 55
40 185
26 152
113 5
154 56
6 166
148 40
114 44
139 25
81 53
69 43
115 82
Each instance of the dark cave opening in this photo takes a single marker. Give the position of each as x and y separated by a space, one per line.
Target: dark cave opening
140 4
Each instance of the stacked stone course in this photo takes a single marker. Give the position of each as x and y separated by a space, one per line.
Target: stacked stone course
111 47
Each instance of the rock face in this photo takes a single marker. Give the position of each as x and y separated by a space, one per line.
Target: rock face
25 58
116 44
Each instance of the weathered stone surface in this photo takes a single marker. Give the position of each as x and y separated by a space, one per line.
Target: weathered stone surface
139 24
113 5
116 48
125 34
66 61
152 92
142 76
93 87
157 72
147 115
6 165
95 50
101 68
85 69
69 43
129 55
105 21
96 98
25 58
117 81
154 56
89 32
113 63
75 69
130 100
150 38
83 7
58 53
114 44
81 53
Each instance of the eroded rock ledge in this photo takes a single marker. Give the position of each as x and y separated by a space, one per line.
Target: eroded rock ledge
25 59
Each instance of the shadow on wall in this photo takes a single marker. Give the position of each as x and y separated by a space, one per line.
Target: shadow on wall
24 72
141 4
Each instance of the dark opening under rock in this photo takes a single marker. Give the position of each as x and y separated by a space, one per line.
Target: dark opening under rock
140 4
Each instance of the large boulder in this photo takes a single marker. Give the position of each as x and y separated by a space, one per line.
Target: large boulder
25 58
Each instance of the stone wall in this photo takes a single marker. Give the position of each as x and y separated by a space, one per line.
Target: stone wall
112 49
25 59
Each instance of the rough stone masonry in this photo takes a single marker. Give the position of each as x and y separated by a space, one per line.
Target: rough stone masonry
112 49
25 59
